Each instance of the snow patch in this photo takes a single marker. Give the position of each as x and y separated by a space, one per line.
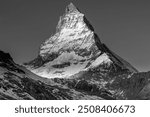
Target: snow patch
102 59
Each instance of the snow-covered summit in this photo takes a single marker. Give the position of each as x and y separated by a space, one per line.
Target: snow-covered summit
74 48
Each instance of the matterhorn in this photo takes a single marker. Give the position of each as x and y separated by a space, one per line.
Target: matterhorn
73 64
75 49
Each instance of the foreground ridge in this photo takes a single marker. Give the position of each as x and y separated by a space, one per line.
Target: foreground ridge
16 82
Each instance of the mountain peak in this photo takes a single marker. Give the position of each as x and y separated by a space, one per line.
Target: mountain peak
71 8
74 48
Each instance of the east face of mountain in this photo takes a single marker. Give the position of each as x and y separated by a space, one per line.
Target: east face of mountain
76 49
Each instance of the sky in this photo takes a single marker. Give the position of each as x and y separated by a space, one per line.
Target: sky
123 25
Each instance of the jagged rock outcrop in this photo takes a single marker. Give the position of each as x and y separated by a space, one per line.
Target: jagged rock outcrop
75 48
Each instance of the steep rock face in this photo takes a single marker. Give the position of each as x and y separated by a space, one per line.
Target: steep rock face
73 49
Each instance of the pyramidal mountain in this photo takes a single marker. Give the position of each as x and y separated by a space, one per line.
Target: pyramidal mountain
73 64
75 49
